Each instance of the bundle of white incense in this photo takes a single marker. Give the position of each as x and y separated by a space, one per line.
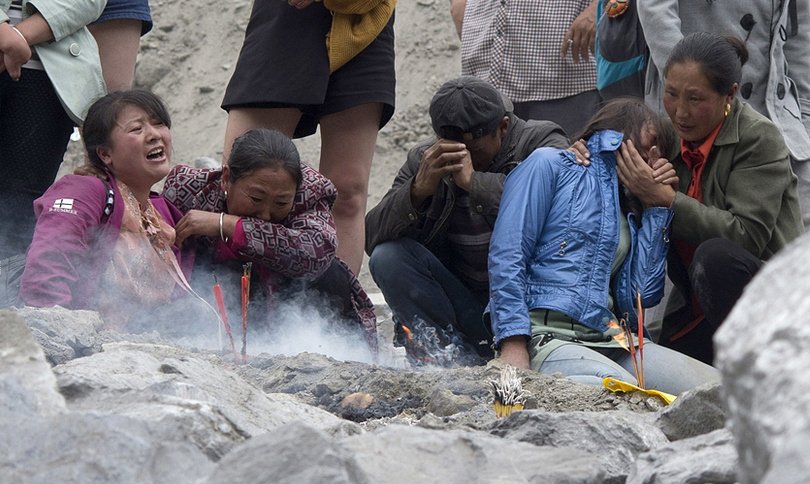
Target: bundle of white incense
507 392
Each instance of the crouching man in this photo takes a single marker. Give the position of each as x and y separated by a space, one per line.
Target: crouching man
428 237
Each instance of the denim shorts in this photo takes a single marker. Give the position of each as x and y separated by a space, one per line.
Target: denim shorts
128 9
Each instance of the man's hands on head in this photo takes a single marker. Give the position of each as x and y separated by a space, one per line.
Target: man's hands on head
444 157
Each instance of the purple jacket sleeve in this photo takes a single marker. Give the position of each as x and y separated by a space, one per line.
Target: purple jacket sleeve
68 222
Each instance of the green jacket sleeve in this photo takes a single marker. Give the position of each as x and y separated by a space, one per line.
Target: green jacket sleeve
744 195
67 16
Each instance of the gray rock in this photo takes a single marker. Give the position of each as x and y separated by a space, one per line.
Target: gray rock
183 395
790 465
63 333
27 384
56 352
94 448
444 403
399 453
696 412
706 458
761 350
291 454
616 438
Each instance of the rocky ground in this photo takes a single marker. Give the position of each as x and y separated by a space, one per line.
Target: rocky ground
98 406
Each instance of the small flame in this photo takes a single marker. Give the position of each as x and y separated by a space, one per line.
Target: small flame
430 345
408 333
619 337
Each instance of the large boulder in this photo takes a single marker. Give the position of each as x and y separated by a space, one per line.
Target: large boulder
290 454
78 448
64 334
706 458
696 412
399 453
762 352
182 395
27 384
616 438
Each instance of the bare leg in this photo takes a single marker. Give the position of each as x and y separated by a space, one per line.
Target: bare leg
241 120
118 42
457 12
348 139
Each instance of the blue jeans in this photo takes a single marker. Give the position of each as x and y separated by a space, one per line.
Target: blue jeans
664 369
417 285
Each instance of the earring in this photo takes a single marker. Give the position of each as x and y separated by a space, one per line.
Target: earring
226 194
727 111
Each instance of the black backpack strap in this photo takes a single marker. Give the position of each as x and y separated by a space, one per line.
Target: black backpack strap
109 202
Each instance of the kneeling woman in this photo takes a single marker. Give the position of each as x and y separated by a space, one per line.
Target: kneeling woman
267 208
572 248
103 240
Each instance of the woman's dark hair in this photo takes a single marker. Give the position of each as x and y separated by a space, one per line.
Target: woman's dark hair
628 115
264 148
102 117
720 58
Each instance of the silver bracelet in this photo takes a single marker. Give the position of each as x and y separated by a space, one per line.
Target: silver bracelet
221 231
20 33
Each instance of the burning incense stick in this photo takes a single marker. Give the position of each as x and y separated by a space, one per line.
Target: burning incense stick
223 314
245 299
640 310
632 348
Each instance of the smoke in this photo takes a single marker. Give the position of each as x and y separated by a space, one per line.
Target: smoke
298 325
303 322
432 346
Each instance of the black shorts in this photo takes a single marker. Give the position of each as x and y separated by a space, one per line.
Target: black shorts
283 63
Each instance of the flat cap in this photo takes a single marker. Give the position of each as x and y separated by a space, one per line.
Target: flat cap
467 108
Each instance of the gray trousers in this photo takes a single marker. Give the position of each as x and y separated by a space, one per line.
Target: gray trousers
665 369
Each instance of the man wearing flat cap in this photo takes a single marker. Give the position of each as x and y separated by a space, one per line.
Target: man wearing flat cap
428 237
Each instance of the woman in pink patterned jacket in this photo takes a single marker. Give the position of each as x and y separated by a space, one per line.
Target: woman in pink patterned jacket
268 208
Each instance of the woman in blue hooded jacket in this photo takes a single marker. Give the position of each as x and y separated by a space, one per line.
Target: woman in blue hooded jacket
572 249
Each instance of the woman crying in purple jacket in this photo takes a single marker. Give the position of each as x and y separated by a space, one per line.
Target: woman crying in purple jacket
103 240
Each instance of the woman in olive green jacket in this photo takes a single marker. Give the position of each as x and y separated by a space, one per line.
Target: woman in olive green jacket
737 203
